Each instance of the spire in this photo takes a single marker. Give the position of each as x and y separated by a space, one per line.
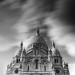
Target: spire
53 44
23 54
21 44
38 31
24 51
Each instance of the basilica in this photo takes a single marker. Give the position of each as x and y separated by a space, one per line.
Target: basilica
37 59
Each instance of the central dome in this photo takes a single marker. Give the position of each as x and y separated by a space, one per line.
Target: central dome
36 39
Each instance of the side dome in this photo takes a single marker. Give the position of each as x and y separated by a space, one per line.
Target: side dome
37 39
55 51
19 51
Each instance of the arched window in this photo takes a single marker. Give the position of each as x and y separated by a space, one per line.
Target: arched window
28 68
56 60
20 66
44 68
17 60
36 64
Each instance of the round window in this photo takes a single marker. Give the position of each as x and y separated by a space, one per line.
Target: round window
16 71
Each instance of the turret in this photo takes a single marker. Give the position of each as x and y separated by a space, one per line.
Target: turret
66 69
9 67
56 59
21 45
23 54
18 53
49 54
16 58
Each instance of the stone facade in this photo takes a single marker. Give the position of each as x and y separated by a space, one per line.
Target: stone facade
37 59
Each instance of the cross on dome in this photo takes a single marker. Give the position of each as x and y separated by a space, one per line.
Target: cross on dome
21 43
38 31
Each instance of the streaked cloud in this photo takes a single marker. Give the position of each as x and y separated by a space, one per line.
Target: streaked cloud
61 24
8 18
62 35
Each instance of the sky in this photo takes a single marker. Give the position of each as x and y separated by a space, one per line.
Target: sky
20 18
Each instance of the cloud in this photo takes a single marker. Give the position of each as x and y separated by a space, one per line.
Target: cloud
66 12
12 4
33 15
35 12
62 35
6 44
22 32
62 25
8 18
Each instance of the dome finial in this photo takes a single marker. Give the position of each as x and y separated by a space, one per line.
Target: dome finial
38 31
21 44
